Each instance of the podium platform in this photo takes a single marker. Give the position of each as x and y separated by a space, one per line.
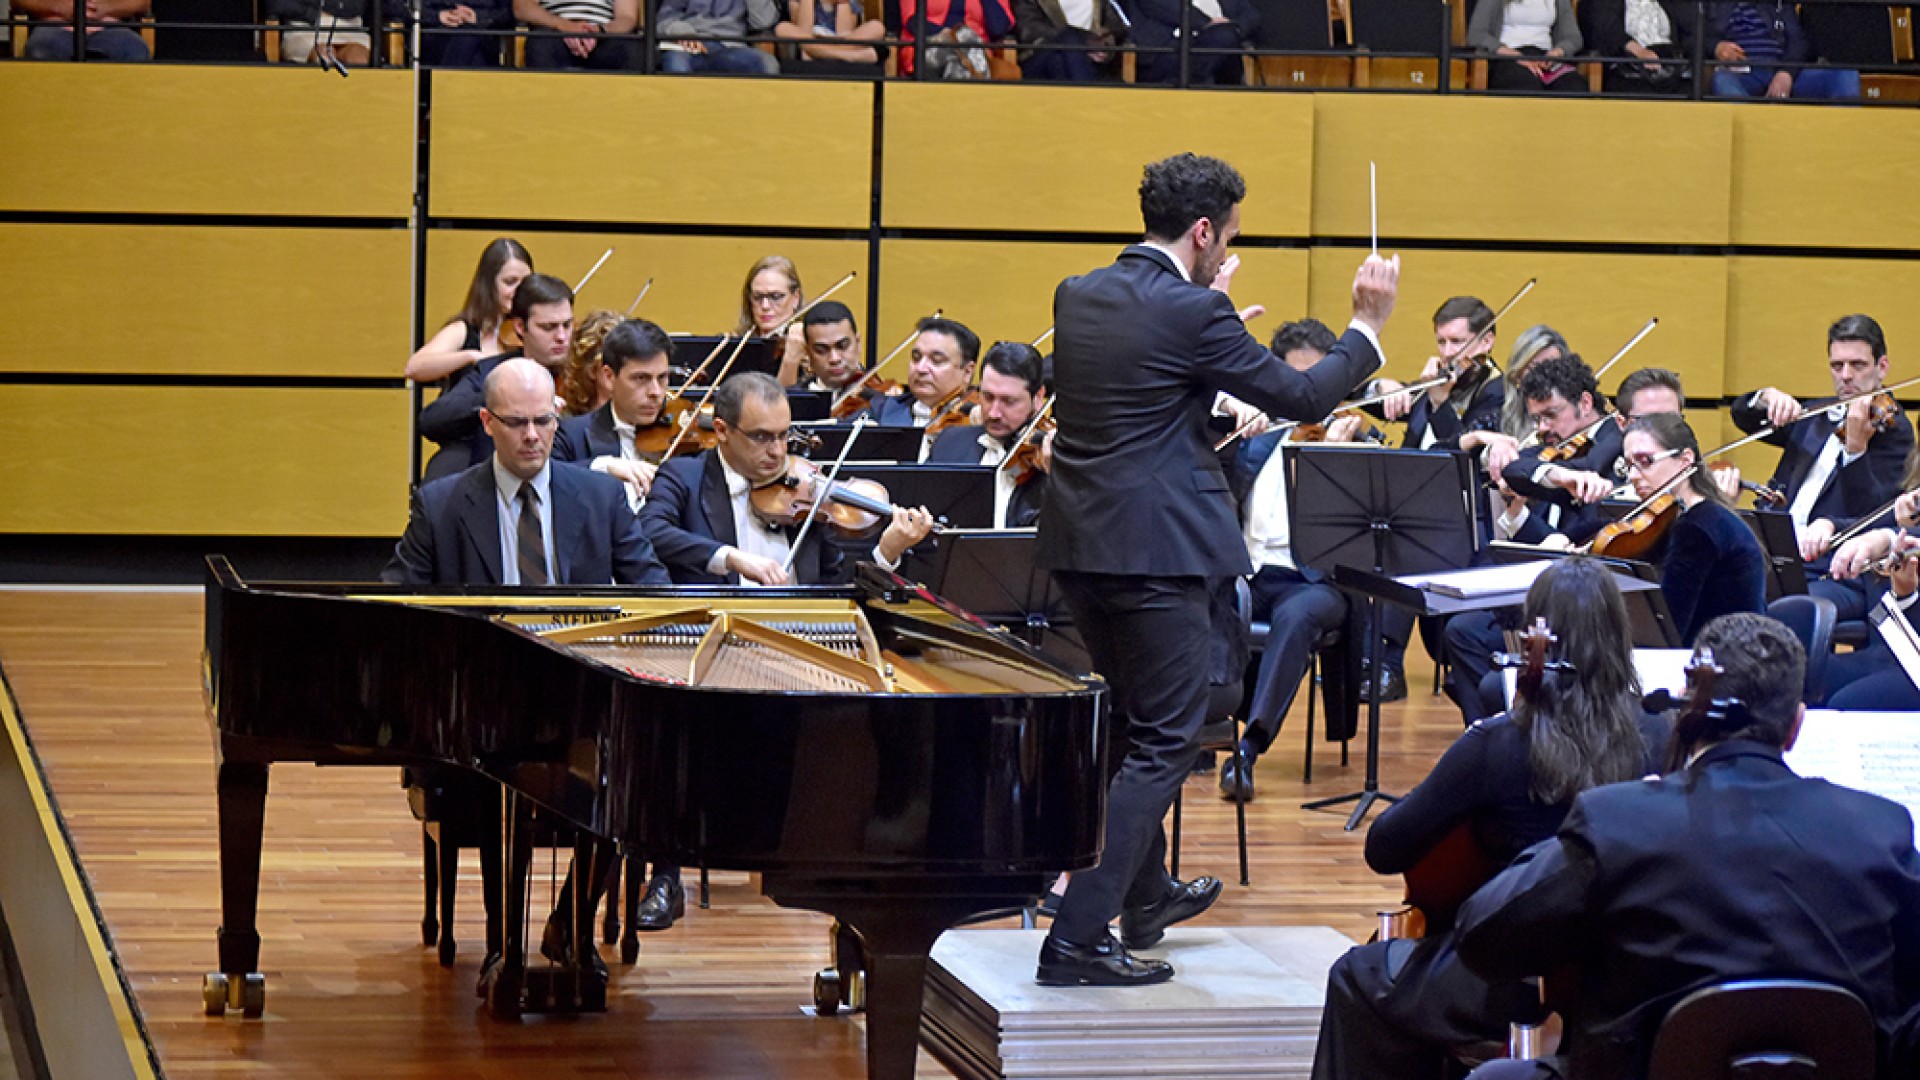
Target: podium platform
1245 1003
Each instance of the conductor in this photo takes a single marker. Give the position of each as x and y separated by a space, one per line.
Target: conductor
1139 523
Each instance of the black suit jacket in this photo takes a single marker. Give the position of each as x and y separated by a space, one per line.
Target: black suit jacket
1577 521
1731 868
454 416
1852 491
1136 487
1481 414
961 446
892 410
453 534
583 438
689 517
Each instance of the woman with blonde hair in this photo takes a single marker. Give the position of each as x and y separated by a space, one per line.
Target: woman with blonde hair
771 297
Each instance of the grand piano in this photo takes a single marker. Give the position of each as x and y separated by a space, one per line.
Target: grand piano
872 751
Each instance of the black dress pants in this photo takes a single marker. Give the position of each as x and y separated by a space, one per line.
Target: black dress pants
1151 638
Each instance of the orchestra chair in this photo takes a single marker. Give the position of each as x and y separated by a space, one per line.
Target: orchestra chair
1306 54
1811 618
455 810
1407 26
1535 1034
1766 1029
1221 733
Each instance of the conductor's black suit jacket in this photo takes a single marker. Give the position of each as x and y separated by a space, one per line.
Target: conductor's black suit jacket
1135 487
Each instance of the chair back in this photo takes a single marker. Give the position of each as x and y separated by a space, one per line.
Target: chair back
1811 618
1766 1029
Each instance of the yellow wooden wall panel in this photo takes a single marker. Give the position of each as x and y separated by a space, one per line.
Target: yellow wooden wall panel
108 138
1816 177
207 300
1778 311
1597 301
589 147
1045 158
1478 168
696 279
1004 290
209 460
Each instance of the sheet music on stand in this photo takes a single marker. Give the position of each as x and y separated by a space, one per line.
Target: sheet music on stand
1877 753
1480 580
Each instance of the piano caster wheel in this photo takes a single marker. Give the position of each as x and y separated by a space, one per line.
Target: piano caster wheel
826 992
220 993
213 991
447 949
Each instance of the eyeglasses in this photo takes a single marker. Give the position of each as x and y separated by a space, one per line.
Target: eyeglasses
765 299
764 439
1643 462
519 423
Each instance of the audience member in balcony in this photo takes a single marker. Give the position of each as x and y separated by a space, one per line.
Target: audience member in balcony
1529 41
51 35
441 45
313 29
1214 24
1648 30
1750 40
770 299
682 21
808 21
958 32
1070 23
591 25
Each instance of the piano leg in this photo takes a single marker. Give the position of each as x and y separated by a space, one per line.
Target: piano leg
510 975
242 790
898 931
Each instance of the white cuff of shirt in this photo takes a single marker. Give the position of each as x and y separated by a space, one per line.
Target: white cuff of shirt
1847 457
1906 602
1373 339
1220 399
717 565
603 463
882 560
1541 472
1510 523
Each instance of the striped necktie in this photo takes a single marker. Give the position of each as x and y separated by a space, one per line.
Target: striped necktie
533 546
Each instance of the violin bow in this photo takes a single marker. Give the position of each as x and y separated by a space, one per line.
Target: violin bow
1860 526
813 510
1808 414
1043 338
1627 348
637 299
867 376
608 254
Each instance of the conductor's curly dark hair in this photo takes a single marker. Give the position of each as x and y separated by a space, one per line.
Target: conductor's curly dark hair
1182 189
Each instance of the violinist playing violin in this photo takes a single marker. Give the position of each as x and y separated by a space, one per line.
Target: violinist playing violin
1870 679
1835 465
937 378
632 376
700 514
1461 413
1011 394
1553 486
833 348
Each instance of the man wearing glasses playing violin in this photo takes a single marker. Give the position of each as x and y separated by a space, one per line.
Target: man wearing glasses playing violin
1837 464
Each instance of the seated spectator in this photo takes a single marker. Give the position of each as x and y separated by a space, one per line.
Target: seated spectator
958 33
592 24
1649 30
1731 867
316 31
1067 23
440 46
809 20
1529 40
51 33
683 20
1750 40
1216 24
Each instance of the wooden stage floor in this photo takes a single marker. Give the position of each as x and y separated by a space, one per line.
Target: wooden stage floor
108 686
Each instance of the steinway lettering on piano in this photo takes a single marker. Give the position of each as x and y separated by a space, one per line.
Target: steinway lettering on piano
871 751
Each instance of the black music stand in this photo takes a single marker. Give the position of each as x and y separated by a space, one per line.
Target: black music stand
1786 574
990 573
809 406
758 354
1647 611
959 496
1390 511
875 443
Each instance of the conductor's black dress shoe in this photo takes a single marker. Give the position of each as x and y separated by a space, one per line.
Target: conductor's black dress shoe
1143 927
1063 963
665 902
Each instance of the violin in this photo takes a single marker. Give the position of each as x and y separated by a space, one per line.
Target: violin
1883 411
1371 433
870 387
1023 461
956 411
852 507
663 438
1633 536
1762 494
1576 444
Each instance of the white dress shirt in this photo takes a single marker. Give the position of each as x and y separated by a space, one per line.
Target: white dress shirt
756 537
506 489
1268 531
624 432
992 453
